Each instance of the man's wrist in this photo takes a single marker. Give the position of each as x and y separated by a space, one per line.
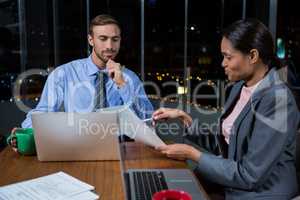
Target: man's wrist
120 83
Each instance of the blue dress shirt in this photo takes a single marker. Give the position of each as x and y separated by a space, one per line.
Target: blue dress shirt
72 86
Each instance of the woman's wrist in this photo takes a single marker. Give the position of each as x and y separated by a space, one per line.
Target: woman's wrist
194 154
180 113
187 120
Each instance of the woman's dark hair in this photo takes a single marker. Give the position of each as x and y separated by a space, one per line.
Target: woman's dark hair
248 34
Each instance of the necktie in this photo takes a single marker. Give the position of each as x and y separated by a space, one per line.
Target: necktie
100 91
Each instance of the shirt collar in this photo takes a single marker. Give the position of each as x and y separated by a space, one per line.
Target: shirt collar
251 88
92 69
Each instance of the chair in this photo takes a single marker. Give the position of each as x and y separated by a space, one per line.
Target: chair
298 162
298 156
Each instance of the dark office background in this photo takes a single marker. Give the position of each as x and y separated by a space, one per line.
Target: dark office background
162 40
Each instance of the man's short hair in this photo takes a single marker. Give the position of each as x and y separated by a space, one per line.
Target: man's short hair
101 20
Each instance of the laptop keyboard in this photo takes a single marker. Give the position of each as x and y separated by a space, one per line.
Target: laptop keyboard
147 183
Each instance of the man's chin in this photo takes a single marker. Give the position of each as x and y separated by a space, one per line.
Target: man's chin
103 59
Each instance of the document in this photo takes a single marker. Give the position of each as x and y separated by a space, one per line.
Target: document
58 186
137 129
84 196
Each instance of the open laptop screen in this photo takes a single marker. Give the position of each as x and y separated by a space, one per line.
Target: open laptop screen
144 170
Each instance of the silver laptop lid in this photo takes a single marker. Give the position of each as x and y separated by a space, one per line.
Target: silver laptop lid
63 136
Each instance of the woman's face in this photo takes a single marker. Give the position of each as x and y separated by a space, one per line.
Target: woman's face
237 65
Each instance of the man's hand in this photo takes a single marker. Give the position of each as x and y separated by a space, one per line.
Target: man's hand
13 142
180 152
115 72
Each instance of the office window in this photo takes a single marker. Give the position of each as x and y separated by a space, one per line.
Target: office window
204 57
288 31
10 48
69 30
153 40
164 48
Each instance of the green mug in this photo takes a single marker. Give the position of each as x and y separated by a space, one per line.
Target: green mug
25 141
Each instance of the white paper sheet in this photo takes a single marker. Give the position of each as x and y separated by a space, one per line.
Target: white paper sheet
84 196
58 186
137 129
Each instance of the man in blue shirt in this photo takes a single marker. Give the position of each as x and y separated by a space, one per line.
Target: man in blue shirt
72 86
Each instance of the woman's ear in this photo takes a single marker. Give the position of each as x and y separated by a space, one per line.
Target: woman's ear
253 56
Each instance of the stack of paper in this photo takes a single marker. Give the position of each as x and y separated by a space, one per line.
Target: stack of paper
57 186
137 129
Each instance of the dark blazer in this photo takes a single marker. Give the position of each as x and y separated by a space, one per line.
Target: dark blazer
259 162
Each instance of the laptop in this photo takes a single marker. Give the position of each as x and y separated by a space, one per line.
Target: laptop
141 184
61 136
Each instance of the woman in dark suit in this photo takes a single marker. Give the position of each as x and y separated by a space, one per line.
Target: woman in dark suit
252 155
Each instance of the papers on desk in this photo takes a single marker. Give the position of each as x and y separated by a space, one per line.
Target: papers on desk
137 129
57 186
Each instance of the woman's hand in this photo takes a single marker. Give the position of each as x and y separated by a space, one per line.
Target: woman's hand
169 113
180 152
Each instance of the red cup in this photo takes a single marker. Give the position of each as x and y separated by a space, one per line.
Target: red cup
171 195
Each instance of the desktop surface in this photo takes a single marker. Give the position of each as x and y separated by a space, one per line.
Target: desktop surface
104 175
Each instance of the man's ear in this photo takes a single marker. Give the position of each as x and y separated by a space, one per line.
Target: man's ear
90 40
253 56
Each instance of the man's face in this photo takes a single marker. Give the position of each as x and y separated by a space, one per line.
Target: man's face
105 41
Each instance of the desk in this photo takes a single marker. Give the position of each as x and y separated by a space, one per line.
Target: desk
104 175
